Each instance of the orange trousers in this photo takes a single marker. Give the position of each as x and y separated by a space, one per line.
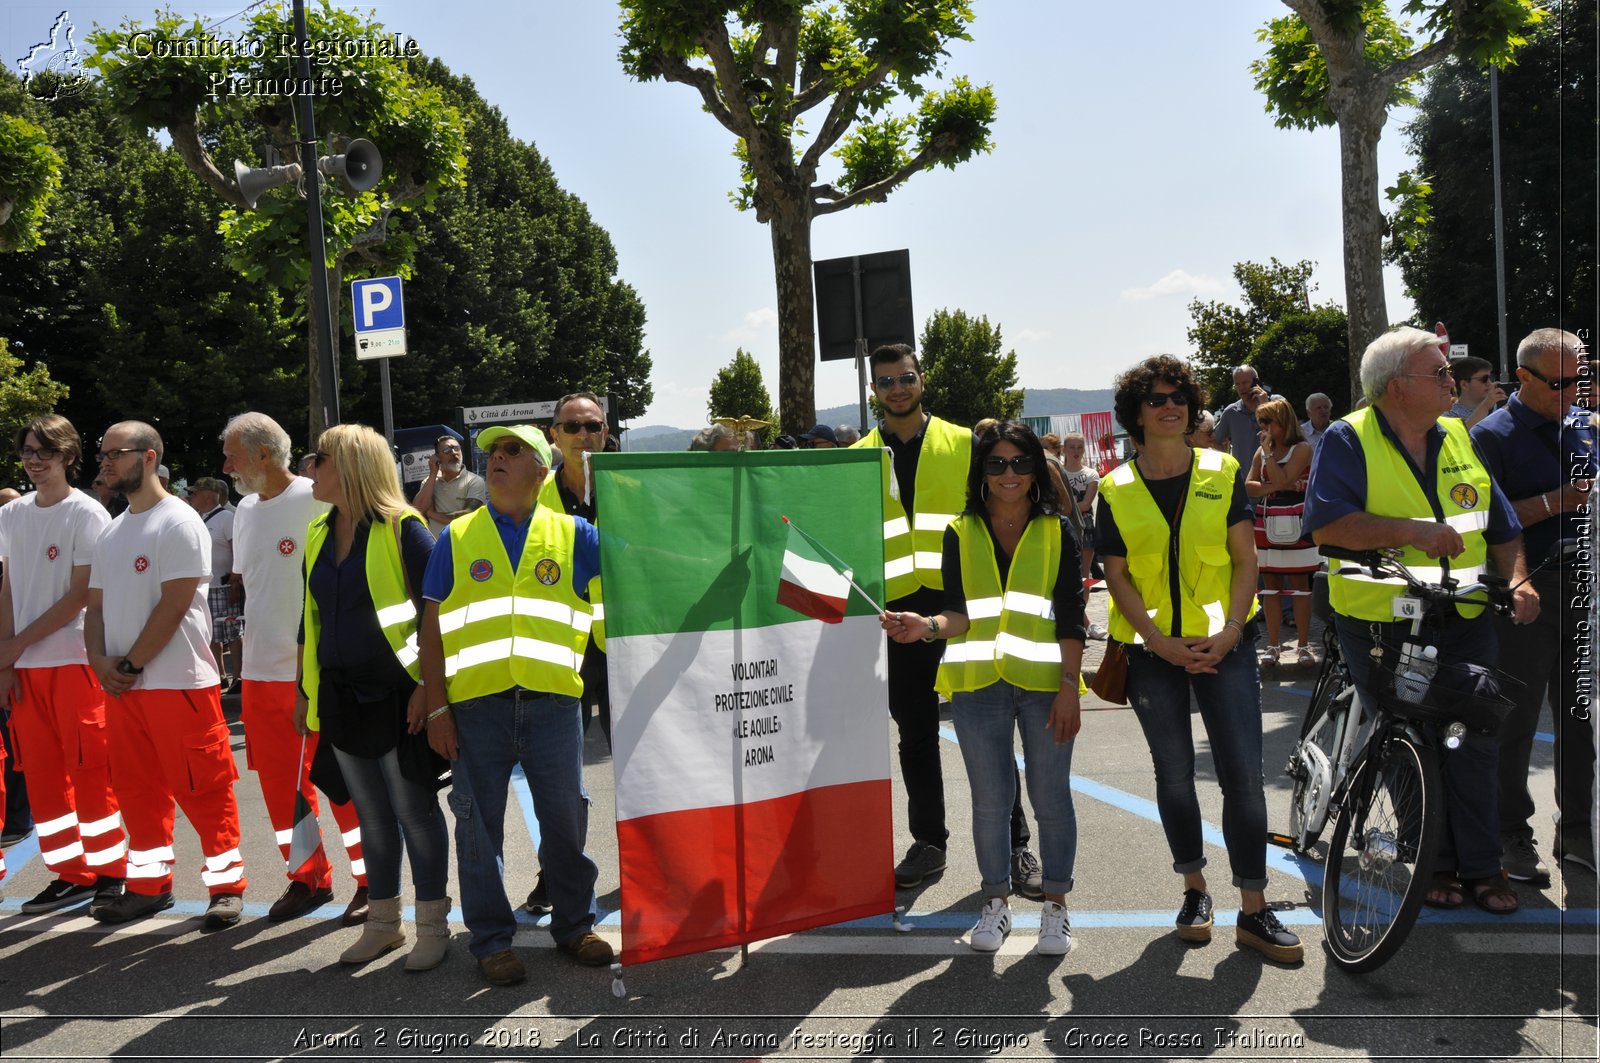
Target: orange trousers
174 745
58 722
273 751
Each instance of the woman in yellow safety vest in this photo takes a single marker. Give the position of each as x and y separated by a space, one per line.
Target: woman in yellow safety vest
364 565
1014 620
1174 529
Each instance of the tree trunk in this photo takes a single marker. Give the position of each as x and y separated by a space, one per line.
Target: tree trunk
1359 130
797 348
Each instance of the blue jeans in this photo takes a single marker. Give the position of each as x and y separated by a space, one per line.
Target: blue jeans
1470 842
390 804
1230 708
985 720
543 733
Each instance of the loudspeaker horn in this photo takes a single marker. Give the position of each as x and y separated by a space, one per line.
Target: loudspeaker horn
357 170
254 182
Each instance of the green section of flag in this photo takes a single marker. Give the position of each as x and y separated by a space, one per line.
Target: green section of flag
695 541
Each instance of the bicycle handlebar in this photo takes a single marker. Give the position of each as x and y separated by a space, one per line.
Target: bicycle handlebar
1386 562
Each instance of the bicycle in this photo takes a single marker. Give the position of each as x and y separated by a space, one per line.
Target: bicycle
1373 768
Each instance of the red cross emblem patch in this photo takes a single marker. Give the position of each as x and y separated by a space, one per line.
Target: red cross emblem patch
141 563
52 553
287 546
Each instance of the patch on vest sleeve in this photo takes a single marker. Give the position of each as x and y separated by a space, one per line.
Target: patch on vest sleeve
547 572
481 569
1464 495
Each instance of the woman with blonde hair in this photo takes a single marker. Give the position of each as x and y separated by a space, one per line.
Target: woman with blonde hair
1286 555
364 565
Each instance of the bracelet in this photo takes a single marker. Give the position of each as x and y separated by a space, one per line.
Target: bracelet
436 713
1236 625
933 629
1545 498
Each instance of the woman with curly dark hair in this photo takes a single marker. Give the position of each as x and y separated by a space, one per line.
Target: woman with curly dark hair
1014 617
1175 531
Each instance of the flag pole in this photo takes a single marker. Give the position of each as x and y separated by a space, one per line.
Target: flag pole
846 575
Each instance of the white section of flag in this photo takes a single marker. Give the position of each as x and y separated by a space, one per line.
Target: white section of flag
673 749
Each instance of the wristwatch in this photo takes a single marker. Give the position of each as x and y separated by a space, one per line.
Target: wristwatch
126 667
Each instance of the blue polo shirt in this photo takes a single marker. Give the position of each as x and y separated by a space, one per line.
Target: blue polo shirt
441 575
1529 455
1338 485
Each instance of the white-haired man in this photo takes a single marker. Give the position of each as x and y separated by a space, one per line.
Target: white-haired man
269 533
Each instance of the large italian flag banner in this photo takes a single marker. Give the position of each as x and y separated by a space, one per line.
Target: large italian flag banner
750 740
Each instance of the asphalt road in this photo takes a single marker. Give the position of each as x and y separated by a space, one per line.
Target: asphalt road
1466 984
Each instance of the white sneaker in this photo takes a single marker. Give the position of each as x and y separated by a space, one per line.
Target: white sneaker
1055 931
1097 633
994 923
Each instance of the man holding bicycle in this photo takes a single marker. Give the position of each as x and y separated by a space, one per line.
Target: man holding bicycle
1394 475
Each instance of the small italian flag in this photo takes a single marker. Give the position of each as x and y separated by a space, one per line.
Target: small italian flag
814 581
750 745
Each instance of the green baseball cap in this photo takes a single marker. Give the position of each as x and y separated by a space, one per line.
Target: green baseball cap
527 433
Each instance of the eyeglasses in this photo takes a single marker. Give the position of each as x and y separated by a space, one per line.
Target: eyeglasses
572 428
511 448
994 465
1264 424
113 455
38 453
1558 384
1440 375
905 380
1484 379
317 457
1157 399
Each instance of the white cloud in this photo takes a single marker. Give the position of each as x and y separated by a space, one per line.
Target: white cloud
756 324
1032 335
1178 282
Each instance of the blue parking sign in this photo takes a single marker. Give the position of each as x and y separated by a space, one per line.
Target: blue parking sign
377 304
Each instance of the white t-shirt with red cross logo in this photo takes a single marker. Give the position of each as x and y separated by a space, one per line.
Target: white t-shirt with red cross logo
139 553
269 548
41 546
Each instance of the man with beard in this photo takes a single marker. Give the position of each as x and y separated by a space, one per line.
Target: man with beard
269 532
48 539
931 459
148 633
451 490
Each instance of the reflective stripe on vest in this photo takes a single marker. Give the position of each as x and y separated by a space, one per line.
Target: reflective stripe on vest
397 614
550 496
1011 633
913 548
1205 568
503 629
1462 490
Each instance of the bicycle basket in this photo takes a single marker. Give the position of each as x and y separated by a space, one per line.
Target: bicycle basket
1474 695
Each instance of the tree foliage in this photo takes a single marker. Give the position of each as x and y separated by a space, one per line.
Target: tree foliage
738 390
1296 347
30 173
24 394
760 68
1443 235
1345 63
965 377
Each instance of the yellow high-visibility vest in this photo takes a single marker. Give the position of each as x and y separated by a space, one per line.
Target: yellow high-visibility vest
912 548
1462 488
397 614
1205 568
1012 631
501 628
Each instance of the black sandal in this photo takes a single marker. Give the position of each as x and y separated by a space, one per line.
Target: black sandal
1446 882
1493 887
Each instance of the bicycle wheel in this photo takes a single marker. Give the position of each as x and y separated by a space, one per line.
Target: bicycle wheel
1310 763
1380 859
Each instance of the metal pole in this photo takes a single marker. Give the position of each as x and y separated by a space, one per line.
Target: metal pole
1499 220
316 244
388 401
861 340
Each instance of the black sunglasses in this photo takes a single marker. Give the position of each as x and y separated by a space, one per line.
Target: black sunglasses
905 380
994 465
1558 384
511 448
318 456
1157 399
572 428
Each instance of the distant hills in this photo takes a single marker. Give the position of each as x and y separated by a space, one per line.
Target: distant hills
1037 402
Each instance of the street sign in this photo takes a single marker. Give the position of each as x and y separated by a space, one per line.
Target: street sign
516 412
380 318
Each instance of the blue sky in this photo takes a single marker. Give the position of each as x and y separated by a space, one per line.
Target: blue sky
1133 165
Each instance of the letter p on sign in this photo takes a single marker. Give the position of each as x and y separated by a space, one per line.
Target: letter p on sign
380 317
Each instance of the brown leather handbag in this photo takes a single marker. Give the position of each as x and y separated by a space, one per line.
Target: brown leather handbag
1111 679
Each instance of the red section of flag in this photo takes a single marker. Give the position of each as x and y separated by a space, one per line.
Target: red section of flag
808 859
824 607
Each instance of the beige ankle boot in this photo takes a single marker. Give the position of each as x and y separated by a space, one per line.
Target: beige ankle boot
380 933
433 935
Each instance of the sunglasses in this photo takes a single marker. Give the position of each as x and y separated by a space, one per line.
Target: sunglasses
905 380
994 465
1439 376
572 428
1559 383
317 457
510 448
38 453
1157 399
